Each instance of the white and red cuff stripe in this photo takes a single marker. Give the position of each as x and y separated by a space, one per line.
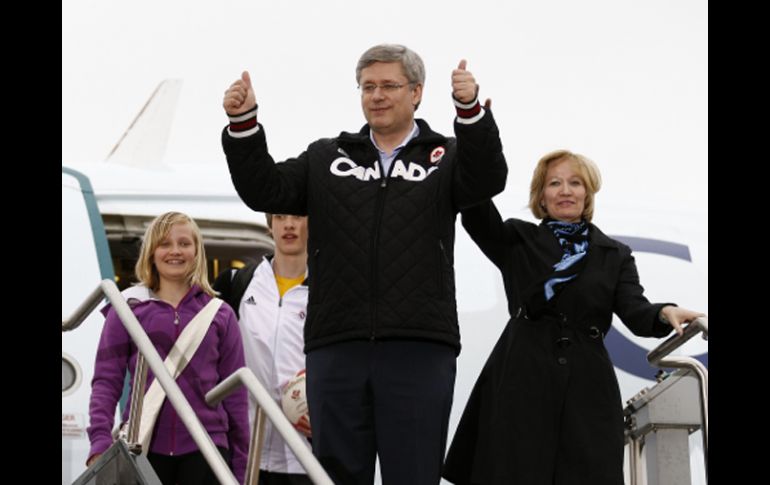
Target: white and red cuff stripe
468 113
244 124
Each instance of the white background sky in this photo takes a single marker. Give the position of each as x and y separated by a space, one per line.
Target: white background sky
623 82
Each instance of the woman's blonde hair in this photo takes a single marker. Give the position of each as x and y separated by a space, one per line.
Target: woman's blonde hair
587 170
156 232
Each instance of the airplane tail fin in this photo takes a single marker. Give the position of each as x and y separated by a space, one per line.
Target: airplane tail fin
144 142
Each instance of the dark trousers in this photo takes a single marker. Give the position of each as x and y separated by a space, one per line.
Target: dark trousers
386 398
187 469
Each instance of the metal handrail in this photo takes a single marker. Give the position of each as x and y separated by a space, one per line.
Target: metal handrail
634 462
137 404
698 325
246 377
82 311
659 357
146 348
255 448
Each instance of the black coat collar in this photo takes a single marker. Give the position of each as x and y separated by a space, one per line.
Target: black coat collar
426 135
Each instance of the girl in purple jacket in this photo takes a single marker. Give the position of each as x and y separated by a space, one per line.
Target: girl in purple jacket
173 288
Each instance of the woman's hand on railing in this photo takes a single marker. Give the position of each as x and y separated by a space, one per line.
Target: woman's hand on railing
676 316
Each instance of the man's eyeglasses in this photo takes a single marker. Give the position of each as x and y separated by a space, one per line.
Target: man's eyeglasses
387 88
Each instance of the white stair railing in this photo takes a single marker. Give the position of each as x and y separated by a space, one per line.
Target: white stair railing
244 376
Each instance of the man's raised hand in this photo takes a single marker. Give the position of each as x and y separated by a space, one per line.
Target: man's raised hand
464 87
239 97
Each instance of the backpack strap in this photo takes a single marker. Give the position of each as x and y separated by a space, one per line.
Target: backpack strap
240 281
232 283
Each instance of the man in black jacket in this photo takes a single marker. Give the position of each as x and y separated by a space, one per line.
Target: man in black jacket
381 335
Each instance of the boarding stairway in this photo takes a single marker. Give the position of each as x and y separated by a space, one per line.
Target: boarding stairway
660 419
123 462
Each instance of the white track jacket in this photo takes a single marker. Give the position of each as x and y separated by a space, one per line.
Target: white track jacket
272 331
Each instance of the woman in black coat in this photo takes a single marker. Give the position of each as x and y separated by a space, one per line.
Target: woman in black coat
546 409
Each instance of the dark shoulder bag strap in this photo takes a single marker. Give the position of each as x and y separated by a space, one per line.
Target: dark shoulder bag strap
240 281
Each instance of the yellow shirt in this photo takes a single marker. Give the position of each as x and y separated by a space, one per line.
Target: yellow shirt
285 284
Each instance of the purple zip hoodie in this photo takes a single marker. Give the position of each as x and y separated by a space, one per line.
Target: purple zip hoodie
220 354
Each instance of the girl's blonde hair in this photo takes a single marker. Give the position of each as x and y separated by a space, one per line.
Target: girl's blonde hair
156 232
587 170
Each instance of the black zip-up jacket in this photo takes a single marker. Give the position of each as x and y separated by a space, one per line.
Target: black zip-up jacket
380 249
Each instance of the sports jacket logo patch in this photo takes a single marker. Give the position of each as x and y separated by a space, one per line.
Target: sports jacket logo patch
345 167
436 155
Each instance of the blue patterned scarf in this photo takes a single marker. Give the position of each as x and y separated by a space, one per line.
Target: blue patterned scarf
573 239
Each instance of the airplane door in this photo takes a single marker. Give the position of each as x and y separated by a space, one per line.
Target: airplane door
85 261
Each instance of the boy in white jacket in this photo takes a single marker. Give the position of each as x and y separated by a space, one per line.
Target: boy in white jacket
272 312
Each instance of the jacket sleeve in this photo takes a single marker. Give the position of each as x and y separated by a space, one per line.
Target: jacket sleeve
110 368
630 304
236 404
480 168
280 188
485 226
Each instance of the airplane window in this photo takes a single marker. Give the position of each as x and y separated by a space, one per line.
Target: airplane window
70 375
